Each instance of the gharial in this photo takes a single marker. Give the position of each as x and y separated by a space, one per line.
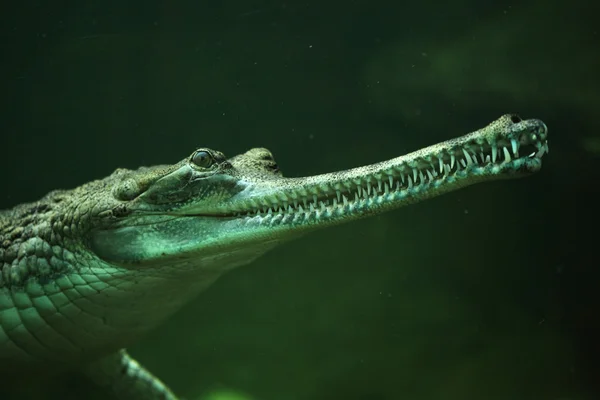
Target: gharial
85 272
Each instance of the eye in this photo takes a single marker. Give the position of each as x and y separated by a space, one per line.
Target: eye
203 159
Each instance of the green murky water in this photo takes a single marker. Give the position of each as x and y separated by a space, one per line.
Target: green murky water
486 293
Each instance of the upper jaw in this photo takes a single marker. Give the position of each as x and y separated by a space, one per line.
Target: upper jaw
504 148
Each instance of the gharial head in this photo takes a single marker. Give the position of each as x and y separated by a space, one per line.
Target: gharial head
208 207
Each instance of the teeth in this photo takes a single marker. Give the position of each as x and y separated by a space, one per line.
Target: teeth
297 203
506 154
515 147
541 151
467 157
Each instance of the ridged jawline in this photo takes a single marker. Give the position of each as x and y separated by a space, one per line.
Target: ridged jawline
448 166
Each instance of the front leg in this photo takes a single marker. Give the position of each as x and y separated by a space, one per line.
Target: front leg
122 376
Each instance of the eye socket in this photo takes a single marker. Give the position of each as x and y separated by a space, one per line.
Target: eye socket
203 159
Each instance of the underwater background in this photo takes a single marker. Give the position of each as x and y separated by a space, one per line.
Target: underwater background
491 292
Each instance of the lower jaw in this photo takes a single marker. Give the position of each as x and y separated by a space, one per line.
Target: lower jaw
377 202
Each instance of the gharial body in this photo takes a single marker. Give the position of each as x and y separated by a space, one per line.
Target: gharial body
85 272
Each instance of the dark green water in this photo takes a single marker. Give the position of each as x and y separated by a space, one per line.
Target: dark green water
487 293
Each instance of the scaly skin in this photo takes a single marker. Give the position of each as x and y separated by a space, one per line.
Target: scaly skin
85 272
